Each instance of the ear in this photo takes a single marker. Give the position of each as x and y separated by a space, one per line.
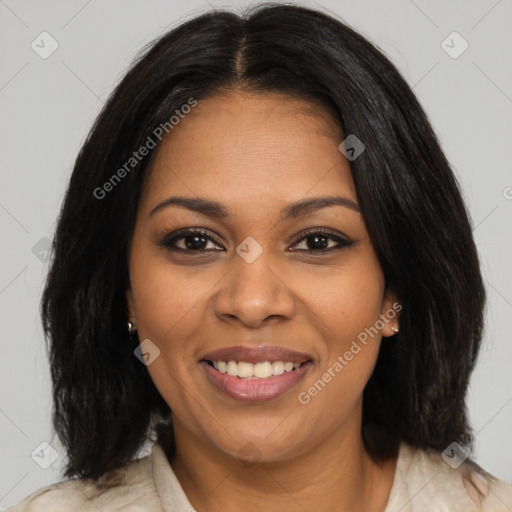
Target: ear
130 304
390 314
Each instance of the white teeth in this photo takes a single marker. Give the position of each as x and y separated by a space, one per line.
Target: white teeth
245 369
288 367
262 370
277 368
232 368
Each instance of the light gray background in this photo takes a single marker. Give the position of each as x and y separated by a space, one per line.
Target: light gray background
48 106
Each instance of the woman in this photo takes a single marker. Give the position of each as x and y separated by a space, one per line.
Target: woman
262 235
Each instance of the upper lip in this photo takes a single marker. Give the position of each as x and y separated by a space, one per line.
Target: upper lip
256 354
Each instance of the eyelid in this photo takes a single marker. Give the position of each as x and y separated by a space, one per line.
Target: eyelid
341 240
324 231
165 239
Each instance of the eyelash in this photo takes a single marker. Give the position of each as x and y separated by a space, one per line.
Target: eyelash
168 240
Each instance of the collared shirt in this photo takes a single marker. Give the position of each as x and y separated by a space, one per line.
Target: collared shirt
423 482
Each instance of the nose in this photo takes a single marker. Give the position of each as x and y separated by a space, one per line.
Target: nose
254 294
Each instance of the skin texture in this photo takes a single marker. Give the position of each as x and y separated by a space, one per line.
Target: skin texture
255 154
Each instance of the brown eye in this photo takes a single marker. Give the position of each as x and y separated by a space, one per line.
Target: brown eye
318 241
189 241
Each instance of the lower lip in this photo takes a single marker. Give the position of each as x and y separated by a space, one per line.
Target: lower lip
255 390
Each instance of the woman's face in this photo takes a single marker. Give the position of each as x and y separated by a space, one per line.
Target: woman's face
259 276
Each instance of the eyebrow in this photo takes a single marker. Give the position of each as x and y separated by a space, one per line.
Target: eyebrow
292 211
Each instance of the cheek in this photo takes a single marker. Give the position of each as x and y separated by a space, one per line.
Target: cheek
169 305
347 299
351 309
167 297
168 310
350 304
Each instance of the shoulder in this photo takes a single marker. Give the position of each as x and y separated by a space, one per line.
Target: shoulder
130 488
424 480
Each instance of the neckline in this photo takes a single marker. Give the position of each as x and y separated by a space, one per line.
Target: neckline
403 457
167 485
174 499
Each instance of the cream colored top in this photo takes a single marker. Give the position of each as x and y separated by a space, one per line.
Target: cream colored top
423 482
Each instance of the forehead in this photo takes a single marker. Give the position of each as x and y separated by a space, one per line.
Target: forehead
256 148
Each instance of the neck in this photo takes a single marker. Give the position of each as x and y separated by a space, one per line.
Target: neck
334 474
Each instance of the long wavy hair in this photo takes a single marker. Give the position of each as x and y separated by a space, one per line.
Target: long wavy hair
105 403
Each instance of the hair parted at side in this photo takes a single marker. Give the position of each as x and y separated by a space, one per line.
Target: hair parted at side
105 403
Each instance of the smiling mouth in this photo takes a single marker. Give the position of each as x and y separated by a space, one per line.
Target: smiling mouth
255 374
239 380
255 371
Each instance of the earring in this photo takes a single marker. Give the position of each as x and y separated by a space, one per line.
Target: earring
132 327
395 329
